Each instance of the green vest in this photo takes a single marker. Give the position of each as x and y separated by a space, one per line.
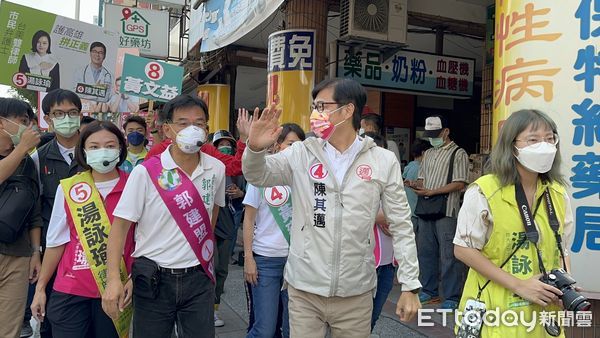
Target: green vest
507 230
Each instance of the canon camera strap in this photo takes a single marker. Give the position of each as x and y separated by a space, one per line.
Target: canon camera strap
530 229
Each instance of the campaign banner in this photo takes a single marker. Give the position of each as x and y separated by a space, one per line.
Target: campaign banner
407 70
144 29
41 51
217 98
219 23
547 57
290 74
150 79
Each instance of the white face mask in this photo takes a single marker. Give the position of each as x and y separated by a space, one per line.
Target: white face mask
190 139
538 157
102 160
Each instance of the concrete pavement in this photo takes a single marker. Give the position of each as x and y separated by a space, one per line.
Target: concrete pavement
234 312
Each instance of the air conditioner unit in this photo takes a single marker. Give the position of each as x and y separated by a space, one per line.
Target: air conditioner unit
381 20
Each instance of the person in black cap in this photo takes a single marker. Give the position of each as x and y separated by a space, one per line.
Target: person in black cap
434 238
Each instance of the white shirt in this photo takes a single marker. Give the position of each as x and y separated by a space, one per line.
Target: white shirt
387 248
157 235
58 228
268 238
340 162
393 147
475 222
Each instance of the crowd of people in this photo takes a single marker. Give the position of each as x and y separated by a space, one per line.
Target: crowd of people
113 237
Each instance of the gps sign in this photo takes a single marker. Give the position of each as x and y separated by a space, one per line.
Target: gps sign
150 79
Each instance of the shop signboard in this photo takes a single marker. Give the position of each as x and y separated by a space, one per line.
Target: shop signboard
219 23
290 73
144 29
406 70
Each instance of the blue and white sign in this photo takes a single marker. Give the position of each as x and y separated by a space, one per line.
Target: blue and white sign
218 23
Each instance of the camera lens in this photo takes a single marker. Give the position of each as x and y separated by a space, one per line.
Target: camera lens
574 301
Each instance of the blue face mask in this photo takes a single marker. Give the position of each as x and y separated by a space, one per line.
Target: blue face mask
135 138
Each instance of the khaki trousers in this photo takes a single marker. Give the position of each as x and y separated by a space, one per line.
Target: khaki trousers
14 281
348 317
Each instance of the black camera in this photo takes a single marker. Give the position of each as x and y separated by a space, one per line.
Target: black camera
572 300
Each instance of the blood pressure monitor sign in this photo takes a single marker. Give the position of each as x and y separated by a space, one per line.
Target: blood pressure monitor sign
150 79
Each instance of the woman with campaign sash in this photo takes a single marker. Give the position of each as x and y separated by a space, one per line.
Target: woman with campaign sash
511 231
77 239
266 243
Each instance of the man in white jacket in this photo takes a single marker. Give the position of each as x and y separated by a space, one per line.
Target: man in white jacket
338 182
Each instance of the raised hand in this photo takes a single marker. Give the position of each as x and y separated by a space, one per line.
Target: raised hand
265 130
29 139
243 124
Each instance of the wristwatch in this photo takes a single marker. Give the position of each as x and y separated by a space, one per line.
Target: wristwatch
36 248
416 291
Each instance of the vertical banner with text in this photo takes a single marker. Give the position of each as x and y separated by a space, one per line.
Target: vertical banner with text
291 74
547 57
217 98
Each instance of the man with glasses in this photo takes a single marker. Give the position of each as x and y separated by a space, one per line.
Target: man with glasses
95 74
338 182
174 198
54 160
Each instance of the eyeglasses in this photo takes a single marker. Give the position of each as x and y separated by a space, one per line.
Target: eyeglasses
97 52
59 114
535 141
320 106
185 124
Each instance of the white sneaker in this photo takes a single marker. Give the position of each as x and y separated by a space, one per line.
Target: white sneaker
218 321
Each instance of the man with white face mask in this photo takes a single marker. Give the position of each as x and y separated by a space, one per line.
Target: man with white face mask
174 198
338 181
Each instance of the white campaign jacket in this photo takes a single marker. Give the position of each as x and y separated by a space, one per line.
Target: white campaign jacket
337 259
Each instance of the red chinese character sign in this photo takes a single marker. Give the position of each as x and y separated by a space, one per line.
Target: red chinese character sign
150 79
41 51
547 57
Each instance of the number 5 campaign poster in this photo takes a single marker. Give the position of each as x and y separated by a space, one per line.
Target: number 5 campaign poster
41 51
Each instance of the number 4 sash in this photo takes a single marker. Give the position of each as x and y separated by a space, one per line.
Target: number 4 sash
187 208
280 204
93 226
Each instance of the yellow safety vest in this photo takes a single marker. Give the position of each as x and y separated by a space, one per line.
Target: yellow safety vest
507 230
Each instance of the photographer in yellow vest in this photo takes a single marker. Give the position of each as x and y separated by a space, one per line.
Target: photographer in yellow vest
512 229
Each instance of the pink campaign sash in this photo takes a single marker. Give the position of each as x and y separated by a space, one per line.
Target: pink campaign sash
187 208
377 248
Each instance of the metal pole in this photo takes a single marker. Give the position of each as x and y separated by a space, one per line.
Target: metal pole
77 9
100 13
